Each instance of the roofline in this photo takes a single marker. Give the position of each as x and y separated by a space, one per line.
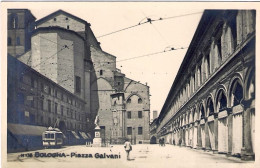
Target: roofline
55 28
207 14
137 82
22 10
61 11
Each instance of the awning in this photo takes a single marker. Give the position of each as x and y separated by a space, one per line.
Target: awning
20 129
75 134
83 134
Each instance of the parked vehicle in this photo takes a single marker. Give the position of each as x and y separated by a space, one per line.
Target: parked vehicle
52 137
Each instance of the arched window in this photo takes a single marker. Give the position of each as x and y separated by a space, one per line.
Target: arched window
193 115
221 101
236 93
207 61
14 21
210 108
251 85
128 101
101 72
140 101
202 112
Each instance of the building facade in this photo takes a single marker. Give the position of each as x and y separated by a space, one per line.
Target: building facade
210 105
153 131
34 100
21 24
64 52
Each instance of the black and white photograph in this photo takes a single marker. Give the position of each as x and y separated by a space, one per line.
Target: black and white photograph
129 84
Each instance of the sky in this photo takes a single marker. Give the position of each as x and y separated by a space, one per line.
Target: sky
159 70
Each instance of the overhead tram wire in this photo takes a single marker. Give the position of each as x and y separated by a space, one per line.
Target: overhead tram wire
148 20
155 53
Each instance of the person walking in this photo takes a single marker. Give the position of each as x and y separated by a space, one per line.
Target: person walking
128 148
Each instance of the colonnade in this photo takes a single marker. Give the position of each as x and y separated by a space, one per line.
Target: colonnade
222 123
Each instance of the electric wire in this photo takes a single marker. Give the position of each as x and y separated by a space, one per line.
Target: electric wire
149 20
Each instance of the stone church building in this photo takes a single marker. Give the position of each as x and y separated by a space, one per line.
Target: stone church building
62 49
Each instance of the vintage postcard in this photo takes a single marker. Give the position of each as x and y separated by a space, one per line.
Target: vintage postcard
129 84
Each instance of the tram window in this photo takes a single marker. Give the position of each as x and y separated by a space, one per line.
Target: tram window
59 135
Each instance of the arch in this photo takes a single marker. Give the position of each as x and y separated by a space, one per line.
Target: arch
250 84
102 83
209 107
201 111
132 94
140 101
236 92
221 100
153 140
14 21
195 116
128 101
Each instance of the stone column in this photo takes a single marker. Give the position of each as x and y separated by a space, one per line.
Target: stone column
199 142
216 132
183 136
207 138
247 152
230 126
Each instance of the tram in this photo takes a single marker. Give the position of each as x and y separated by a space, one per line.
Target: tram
52 137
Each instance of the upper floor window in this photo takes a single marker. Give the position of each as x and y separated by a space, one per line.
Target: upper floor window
219 50
41 104
20 98
14 22
49 91
42 87
56 108
54 19
68 27
55 93
140 130
61 109
140 114
78 84
140 101
101 72
18 41
129 130
199 75
129 115
207 65
49 105
32 82
9 41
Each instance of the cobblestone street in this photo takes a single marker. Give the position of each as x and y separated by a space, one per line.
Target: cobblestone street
141 156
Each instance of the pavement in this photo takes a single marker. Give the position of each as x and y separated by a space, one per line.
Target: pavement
142 156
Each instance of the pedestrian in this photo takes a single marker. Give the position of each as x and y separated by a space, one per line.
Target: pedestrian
128 148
